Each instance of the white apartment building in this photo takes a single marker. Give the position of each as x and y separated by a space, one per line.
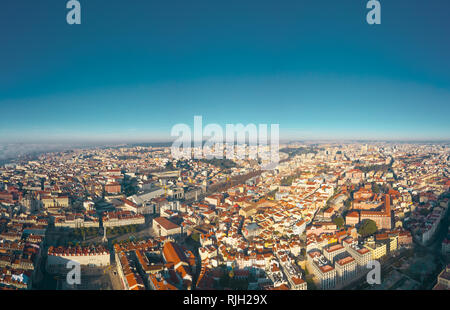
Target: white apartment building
393 243
123 218
321 268
58 258
164 227
432 224
377 249
361 255
346 269
299 227
333 252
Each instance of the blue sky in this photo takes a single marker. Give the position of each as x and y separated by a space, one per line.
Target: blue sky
133 69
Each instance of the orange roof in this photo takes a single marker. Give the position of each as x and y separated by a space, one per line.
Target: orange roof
172 253
353 214
297 280
165 223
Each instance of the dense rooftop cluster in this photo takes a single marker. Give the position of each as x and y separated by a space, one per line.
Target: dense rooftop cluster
314 220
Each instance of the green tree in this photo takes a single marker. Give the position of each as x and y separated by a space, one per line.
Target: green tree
195 237
347 203
367 228
169 166
376 188
339 221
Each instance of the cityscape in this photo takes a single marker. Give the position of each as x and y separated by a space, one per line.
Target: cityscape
224 147
135 218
